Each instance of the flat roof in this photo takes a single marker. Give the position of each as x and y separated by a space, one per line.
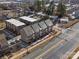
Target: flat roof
64 19
15 22
28 19
40 13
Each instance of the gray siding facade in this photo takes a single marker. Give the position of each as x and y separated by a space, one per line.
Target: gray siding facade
27 34
37 30
43 27
49 25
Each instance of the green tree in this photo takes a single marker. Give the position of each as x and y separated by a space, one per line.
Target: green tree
61 9
24 5
39 4
50 9
3 7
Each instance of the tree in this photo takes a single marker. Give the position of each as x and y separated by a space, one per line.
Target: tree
39 4
24 5
49 10
23 8
3 7
61 9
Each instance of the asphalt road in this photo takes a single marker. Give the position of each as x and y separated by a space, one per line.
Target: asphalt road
40 50
70 37
68 46
58 52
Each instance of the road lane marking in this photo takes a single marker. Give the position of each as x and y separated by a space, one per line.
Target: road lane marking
59 43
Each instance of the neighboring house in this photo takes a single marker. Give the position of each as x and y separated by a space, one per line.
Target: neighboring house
74 1
76 15
43 27
32 1
14 25
28 20
49 24
8 13
37 30
3 41
3 44
73 9
64 20
27 34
